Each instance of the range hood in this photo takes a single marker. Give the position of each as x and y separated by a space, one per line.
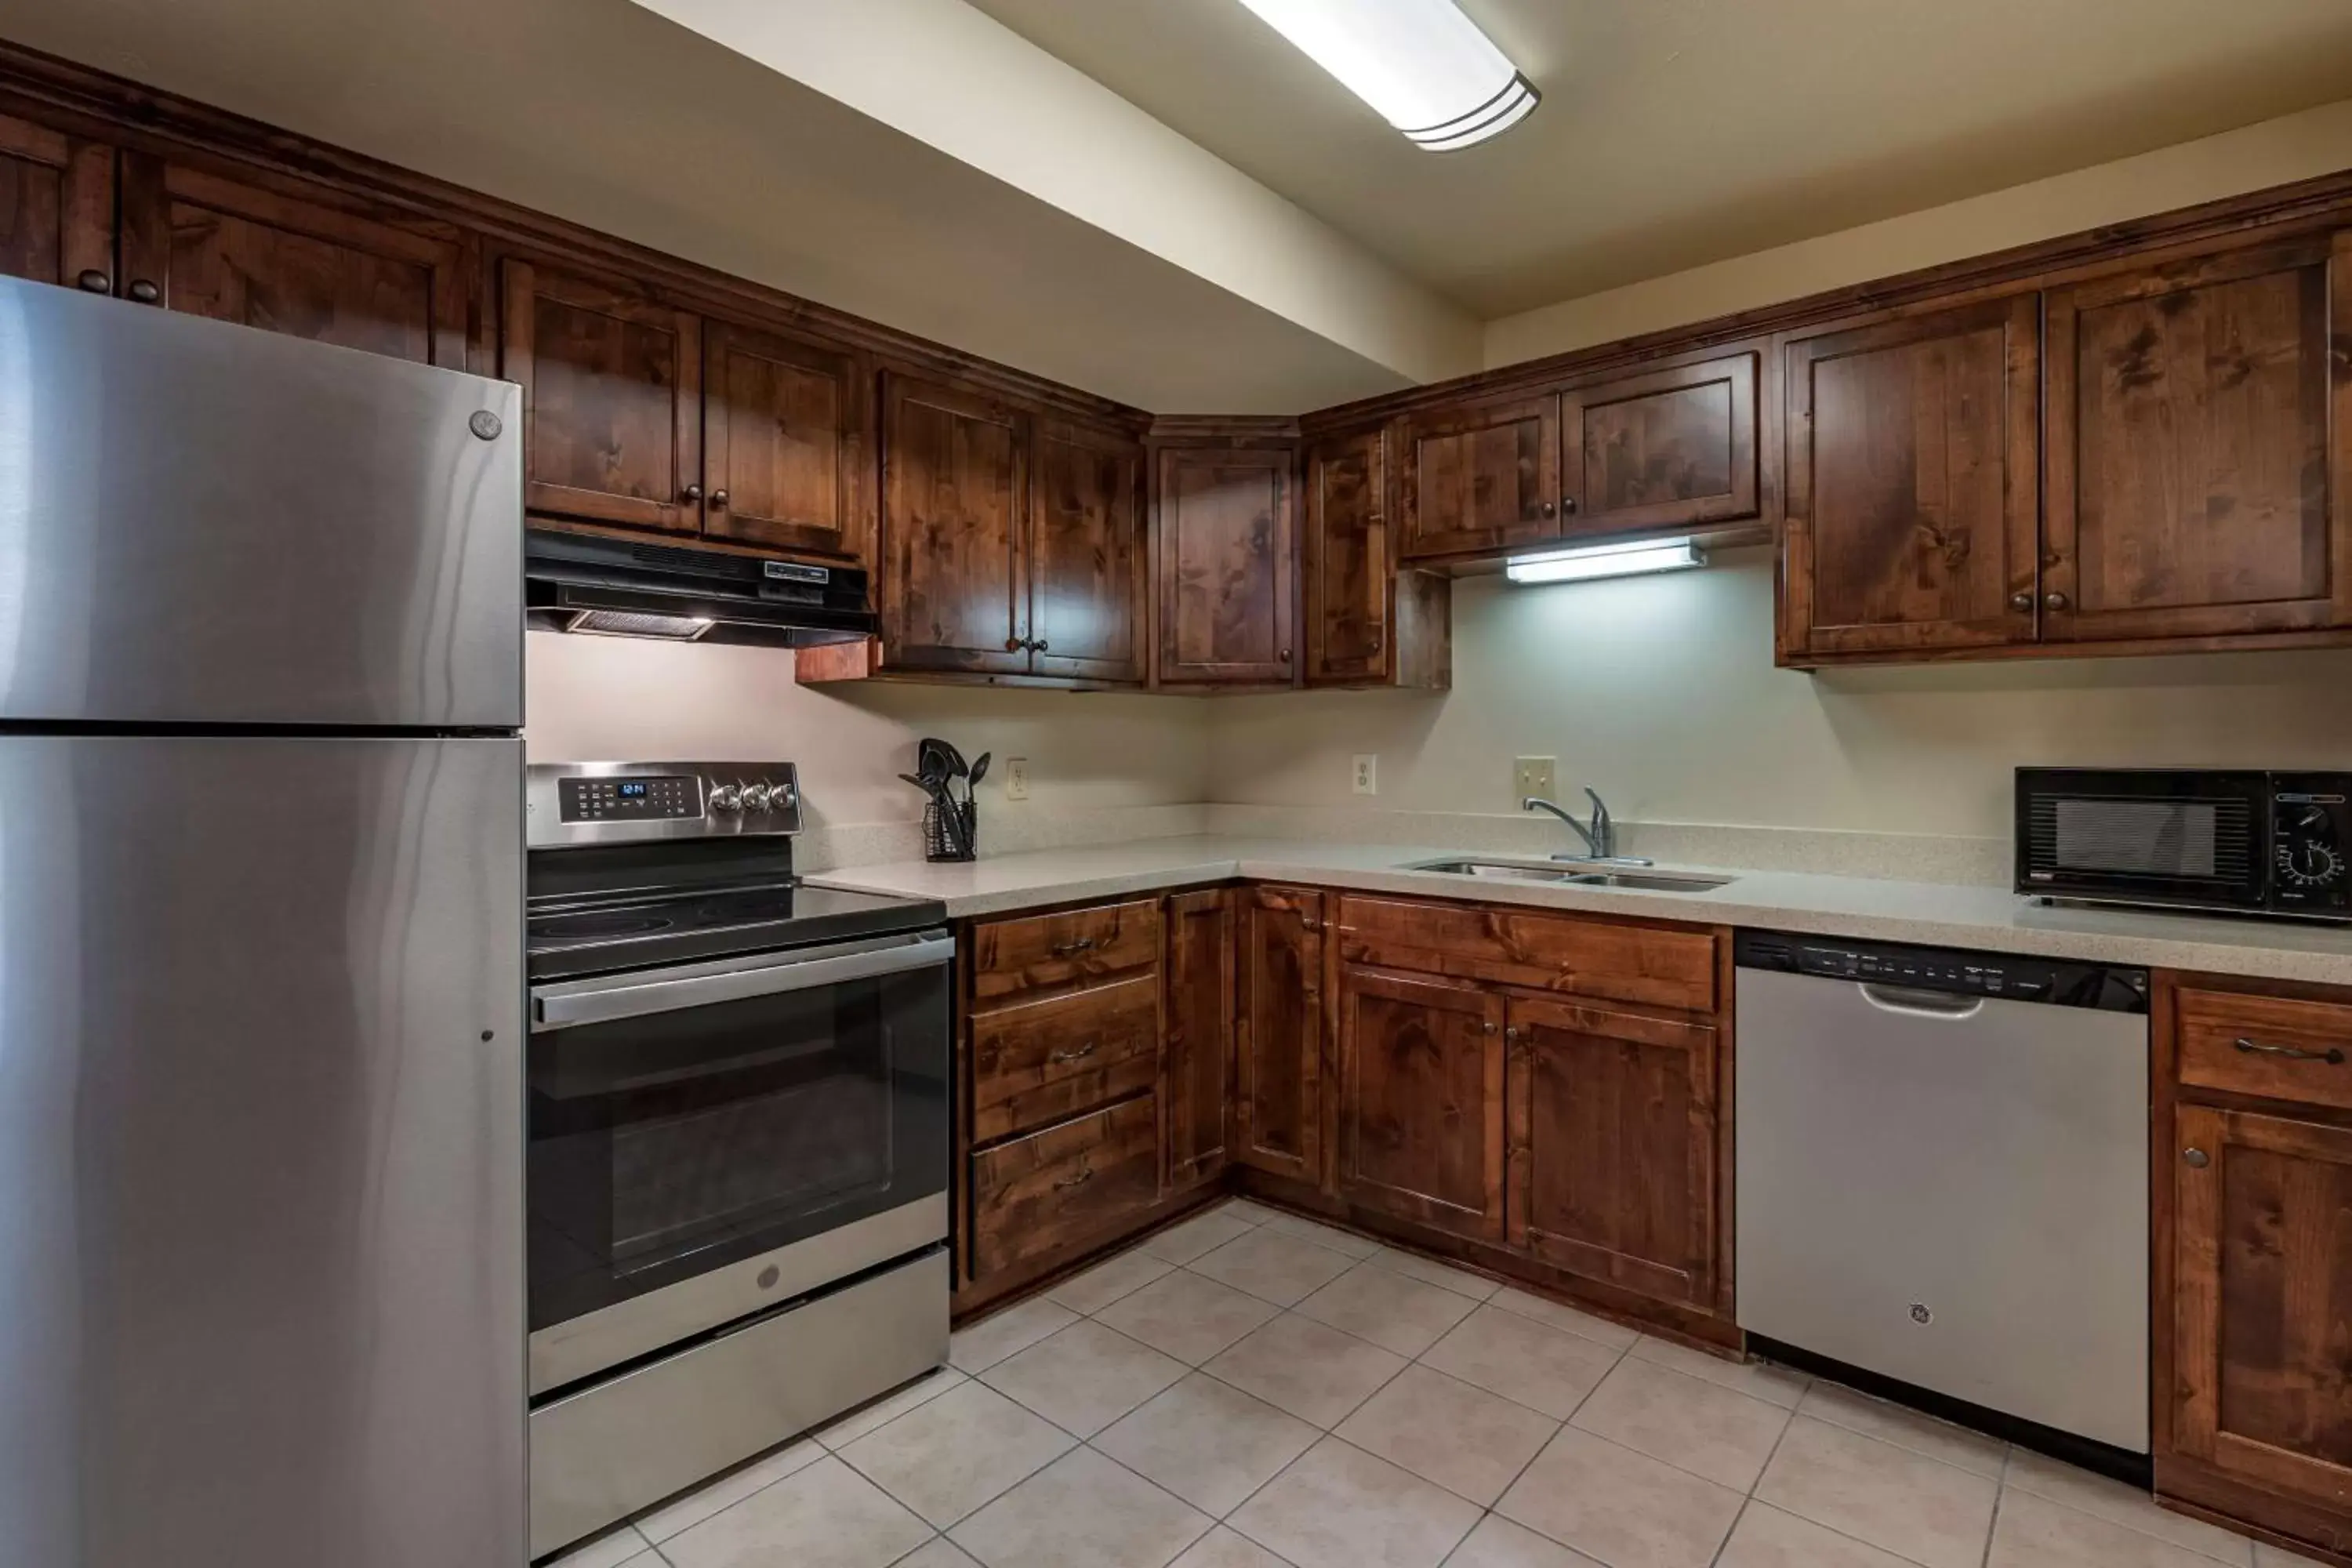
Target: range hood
618 588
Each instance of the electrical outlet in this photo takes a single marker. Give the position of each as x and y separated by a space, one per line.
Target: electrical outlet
1368 774
1533 777
1016 778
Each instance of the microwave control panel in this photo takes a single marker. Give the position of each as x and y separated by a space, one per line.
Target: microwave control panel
2311 838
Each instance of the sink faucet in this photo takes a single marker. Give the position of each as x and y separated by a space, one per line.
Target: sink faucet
1600 838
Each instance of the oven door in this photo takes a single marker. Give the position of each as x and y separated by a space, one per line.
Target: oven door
713 1139
2144 836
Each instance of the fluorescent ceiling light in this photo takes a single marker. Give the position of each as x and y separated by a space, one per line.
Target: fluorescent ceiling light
1605 561
1421 63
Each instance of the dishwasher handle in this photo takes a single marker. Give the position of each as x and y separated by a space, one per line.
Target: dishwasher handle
1914 1002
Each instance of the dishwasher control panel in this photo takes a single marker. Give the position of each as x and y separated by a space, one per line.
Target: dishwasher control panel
2013 976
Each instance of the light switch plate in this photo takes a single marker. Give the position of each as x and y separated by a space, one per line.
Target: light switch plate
1534 776
1367 773
1016 778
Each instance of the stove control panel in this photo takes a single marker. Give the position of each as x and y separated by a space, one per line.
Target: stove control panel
575 804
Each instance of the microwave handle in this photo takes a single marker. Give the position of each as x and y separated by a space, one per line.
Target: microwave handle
637 995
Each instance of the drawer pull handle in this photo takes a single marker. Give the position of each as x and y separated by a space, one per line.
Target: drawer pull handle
1080 1180
1072 949
1056 1059
2331 1055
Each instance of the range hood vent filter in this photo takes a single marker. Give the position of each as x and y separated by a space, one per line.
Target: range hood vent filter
639 624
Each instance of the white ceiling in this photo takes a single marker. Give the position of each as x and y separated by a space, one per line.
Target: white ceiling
1675 132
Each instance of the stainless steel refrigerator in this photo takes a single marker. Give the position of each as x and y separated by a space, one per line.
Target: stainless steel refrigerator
261 1293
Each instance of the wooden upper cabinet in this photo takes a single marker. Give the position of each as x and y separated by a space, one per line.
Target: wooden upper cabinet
2189 484
612 400
1369 623
1421 1130
1665 449
955 498
320 267
1225 544
1280 1068
2261 1258
786 442
56 208
1613 1146
1478 479
1912 487
1197 1067
1085 556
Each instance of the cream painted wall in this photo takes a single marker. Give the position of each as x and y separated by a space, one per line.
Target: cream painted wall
2273 153
1660 691
597 698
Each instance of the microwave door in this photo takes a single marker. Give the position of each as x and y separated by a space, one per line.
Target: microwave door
2188 838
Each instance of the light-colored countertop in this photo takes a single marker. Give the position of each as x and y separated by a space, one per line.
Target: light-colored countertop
1927 912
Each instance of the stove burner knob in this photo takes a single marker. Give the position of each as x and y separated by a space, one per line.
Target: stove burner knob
726 798
755 799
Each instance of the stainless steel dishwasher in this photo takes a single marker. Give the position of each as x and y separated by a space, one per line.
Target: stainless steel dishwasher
1943 1173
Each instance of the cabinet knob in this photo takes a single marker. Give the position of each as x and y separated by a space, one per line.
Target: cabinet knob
1490 1028
2196 1158
145 292
95 281
1567 506
1374 640
1549 509
2053 601
691 492
718 498
1286 656
2020 602
1014 645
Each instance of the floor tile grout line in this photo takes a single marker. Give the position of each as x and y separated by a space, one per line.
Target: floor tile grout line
2007 1487
1787 1419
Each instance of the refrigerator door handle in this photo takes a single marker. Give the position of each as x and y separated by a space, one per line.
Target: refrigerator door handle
618 996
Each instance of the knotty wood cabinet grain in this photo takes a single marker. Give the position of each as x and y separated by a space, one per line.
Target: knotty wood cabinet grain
1661 450
1478 479
787 442
1281 1109
1197 1069
1227 548
1085 555
955 501
57 206
1082 1179
1368 622
1421 1128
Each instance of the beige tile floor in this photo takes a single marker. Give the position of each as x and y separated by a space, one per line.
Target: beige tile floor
1253 1390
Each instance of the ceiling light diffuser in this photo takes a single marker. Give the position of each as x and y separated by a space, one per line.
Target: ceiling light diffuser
1605 561
1422 64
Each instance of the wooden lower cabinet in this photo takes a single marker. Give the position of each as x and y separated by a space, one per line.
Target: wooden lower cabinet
1279 1041
1613 1140
1076 1181
1196 1081
1420 1100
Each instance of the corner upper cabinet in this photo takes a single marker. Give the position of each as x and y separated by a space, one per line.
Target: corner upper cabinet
611 399
2196 485
1913 511
1367 623
287 257
955 506
1666 449
787 443
1225 540
56 208
1088 616
1478 479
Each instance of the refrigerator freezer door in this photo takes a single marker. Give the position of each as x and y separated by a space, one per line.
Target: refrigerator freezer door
205 524
261 1118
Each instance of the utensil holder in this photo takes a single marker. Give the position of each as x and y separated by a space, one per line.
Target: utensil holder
959 842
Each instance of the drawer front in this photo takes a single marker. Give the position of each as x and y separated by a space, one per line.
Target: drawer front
1045 1061
1658 966
1049 951
1064 1184
2277 1046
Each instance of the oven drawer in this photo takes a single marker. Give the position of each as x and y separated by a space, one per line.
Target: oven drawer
1064 1184
1047 952
1038 1062
1651 965
2276 1046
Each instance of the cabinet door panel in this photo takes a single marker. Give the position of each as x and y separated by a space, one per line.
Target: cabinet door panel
2262 1300
252 254
1913 517
2188 483
1225 553
1613 1146
57 206
1674 448
785 423
1280 1041
955 484
1348 572
1085 555
1422 1104
1196 1093
1475 480
612 400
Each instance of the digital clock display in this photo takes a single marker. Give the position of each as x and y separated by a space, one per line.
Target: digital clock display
631 791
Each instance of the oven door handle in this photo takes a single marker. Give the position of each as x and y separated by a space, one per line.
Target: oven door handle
637 995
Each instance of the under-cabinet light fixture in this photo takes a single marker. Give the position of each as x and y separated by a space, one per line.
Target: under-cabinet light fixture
1422 64
1605 561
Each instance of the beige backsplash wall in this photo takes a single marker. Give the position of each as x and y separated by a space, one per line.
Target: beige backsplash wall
1660 691
1103 767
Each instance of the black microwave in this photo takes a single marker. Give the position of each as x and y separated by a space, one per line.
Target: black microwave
2223 839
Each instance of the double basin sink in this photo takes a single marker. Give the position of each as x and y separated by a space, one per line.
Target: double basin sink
1574 874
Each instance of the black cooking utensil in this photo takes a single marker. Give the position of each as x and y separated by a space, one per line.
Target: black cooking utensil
978 772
